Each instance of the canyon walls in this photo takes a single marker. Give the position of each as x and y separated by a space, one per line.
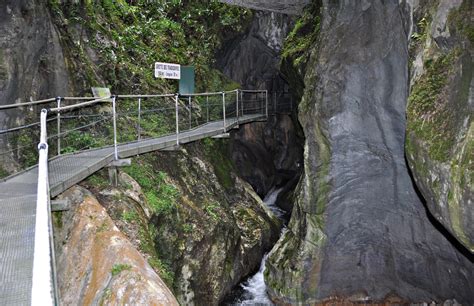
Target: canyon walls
359 231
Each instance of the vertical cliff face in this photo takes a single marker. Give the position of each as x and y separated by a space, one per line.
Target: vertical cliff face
252 59
440 142
358 229
31 60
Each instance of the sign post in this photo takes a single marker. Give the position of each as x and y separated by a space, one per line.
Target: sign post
167 71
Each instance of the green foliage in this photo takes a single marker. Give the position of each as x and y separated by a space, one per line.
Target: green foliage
97 180
187 32
303 35
460 21
77 140
26 142
118 268
3 172
129 216
187 227
211 210
429 118
216 152
422 27
160 195
146 235
165 271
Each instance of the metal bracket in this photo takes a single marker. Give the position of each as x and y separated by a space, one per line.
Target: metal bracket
120 163
171 149
60 205
220 136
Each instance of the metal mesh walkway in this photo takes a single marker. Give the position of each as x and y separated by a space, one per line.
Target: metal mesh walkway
18 201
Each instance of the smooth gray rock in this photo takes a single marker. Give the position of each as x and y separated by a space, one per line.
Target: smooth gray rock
252 59
440 130
359 230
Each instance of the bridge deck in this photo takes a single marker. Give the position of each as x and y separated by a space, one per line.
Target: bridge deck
18 201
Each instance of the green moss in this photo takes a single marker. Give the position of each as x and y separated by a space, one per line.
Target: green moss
118 268
216 152
212 210
57 220
460 21
130 216
97 180
303 35
160 195
3 172
428 118
170 31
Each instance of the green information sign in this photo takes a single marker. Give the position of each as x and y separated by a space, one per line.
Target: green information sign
186 83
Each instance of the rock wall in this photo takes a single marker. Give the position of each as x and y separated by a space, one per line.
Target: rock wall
252 59
200 227
440 142
31 60
359 231
291 7
97 264
266 154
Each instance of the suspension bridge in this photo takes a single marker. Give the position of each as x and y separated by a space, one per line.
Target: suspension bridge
77 136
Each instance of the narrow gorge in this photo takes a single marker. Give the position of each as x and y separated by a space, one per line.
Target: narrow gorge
356 188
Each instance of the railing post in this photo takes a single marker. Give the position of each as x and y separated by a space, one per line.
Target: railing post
139 128
58 119
223 110
190 112
176 99
207 107
114 113
266 103
242 102
237 111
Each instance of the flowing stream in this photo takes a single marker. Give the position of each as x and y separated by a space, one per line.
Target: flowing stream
253 291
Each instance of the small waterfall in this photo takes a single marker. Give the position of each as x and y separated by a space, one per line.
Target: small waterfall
254 289
270 200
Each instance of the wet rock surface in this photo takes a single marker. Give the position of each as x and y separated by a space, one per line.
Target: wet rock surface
359 230
96 263
440 131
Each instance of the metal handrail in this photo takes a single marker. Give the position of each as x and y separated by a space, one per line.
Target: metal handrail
43 291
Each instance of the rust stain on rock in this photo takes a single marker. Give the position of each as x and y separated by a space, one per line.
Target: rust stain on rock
98 265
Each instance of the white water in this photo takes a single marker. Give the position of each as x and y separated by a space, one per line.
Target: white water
270 201
255 289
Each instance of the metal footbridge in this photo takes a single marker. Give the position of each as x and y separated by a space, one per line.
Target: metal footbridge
77 137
